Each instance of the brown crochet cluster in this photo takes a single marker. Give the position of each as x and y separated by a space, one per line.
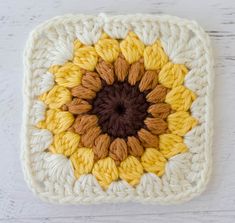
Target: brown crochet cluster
119 109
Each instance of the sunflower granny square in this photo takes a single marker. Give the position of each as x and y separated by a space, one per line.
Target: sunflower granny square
117 108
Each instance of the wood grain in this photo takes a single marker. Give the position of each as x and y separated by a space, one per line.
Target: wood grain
17 203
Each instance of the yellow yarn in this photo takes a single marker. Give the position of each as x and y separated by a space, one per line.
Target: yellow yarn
180 98
108 49
131 170
86 57
82 161
68 75
170 145
172 75
57 121
153 161
105 171
53 69
154 56
104 36
132 48
65 143
57 97
181 122
76 45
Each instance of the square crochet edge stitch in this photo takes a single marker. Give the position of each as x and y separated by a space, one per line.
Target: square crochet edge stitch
164 155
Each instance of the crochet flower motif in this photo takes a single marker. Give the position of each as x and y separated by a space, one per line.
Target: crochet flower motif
118 109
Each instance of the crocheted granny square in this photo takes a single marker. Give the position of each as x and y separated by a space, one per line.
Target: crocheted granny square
117 108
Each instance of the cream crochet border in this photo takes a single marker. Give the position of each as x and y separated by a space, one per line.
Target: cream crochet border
50 176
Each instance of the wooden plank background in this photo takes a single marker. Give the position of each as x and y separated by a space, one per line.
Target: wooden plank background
17 203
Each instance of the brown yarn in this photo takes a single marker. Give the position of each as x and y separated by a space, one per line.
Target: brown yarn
71 129
147 138
156 125
101 148
135 148
121 67
92 81
76 123
106 71
64 107
160 110
78 106
88 138
136 72
118 150
121 109
82 92
84 122
158 94
118 118
148 81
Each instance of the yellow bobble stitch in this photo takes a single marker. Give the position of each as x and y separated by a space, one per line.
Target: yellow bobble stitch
65 143
180 98
172 75
170 145
57 97
154 57
105 172
132 48
86 57
82 161
108 49
153 161
131 170
181 122
69 75
57 121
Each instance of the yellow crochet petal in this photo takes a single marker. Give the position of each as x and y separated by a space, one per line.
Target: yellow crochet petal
57 121
86 57
154 57
82 161
170 145
181 122
131 170
132 48
65 143
68 75
180 98
108 49
57 97
153 161
172 75
105 171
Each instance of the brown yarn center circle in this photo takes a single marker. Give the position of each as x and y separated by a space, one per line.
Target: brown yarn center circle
121 109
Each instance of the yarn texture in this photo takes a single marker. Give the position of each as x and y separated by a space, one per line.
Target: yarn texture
117 108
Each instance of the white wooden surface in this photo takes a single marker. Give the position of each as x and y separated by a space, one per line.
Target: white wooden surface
17 203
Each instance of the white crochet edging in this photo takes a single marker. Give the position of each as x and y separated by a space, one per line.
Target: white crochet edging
50 176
